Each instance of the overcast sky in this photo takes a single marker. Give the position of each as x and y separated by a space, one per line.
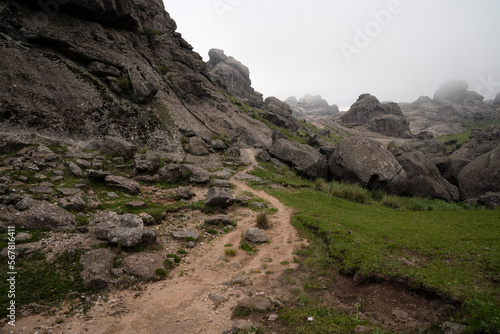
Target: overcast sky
396 50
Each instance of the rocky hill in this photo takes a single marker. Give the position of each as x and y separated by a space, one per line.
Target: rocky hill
312 108
452 105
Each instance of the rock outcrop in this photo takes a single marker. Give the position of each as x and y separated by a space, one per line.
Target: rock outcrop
110 68
280 114
482 143
303 158
368 163
312 108
234 77
386 119
126 229
453 105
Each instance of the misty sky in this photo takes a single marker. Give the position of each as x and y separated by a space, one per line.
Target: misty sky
395 50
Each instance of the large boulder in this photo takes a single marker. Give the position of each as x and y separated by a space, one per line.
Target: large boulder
368 163
197 146
480 176
147 163
389 125
221 197
126 229
280 114
304 158
115 146
170 173
195 174
483 142
424 178
34 215
450 167
143 265
256 235
97 265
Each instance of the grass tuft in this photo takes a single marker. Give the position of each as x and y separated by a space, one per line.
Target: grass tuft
263 220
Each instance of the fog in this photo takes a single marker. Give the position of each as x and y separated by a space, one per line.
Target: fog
396 50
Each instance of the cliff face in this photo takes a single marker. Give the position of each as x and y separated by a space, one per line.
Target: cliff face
92 68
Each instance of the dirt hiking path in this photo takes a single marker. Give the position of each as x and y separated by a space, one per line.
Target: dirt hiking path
180 304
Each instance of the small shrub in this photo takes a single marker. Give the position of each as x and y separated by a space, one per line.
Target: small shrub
160 272
175 257
212 231
246 247
228 245
285 263
230 252
168 264
263 220
392 201
182 252
319 185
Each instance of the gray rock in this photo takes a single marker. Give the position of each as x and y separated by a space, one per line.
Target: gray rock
219 219
390 125
182 235
304 158
147 163
148 178
255 234
481 175
453 328
83 163
221 197
424 178
68 191
368 163
42 190
97 265
259 304
223 174
240 280
264 156
115 146
77 171
126 229
257 205
221 183
143 265
195 173
97 174
103 70
218 144
197 146
217 298
184 193
34 214
136 204
491 200
149 237
170 173
74 203
21 236
368 107
124 184
112 195
240 325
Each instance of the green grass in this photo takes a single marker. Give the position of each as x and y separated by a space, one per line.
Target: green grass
263 220
42 282
231 252
280 175
464 137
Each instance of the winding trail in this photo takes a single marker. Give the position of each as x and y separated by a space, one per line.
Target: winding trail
180 305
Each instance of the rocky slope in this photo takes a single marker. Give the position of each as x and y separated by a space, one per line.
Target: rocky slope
452 105
111 67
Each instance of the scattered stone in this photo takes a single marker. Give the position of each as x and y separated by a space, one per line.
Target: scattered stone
147 163
148 178
259 304
185 234
123 183
75 203
126 229
83 163
96 174
184 193
453 328
257 205
273 317
240 325
223 174
97 163
170 173
221 183
136 204
400 315
218 144
68 191
40 176
195 173
217 298
219 219
77 171
219 197
97 265
22 236
46 184
42 190
310 319
191 244
58 173
143 265
115 146
240 280
255 234
112 195
147 218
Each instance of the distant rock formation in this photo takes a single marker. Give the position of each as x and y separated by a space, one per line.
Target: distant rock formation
453 104
312 108
234 77
383 118
496 103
